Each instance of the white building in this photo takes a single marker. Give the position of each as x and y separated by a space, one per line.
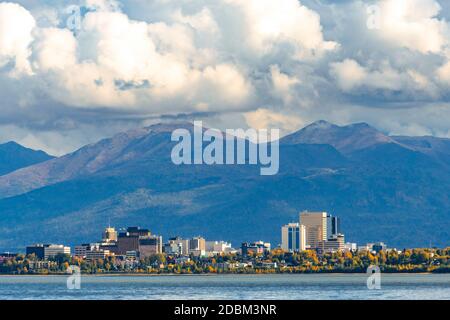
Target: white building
55 249
92 251
198 253
177 246
349 246
293 237
218 247
80 251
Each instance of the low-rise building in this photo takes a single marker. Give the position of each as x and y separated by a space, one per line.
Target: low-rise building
198 253
379 246
177 246
334 244
374 247
258 247
349 246
46 251
7 256
37 265
81 250
218 247
97 254
131 255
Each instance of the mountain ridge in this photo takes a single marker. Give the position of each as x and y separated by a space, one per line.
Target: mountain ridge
14 156
382 188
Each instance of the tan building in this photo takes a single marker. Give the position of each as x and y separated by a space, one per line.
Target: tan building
316 227
197 244
110 235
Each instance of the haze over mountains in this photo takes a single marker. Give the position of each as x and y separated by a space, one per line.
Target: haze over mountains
393 189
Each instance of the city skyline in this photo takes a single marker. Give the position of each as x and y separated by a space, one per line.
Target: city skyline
139 243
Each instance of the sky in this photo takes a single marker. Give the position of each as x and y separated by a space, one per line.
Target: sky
75 71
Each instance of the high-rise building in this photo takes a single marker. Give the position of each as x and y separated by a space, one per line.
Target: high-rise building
127 242
109 235
149 246
293 237
197 244
136 231
316 227
334 226
140 241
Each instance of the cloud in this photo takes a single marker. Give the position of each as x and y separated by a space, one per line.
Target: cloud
16 25
267 119
349 74
283 84
233 63
269 23
414 24
54 49
443 73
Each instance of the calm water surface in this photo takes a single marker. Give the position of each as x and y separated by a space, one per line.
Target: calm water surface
228 287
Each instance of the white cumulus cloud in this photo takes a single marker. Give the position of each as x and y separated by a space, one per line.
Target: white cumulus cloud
16 26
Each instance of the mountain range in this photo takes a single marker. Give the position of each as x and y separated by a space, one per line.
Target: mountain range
384 188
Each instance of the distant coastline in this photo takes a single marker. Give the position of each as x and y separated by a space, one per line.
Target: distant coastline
277 261
149 275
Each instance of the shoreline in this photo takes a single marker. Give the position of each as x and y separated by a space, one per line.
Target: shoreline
222 274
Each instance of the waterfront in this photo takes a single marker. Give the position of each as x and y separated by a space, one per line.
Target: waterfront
228 287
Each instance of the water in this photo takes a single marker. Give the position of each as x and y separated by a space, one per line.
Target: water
228 287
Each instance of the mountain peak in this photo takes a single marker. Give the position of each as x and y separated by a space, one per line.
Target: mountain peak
320 124
170 126
14 156
346 139
10 143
